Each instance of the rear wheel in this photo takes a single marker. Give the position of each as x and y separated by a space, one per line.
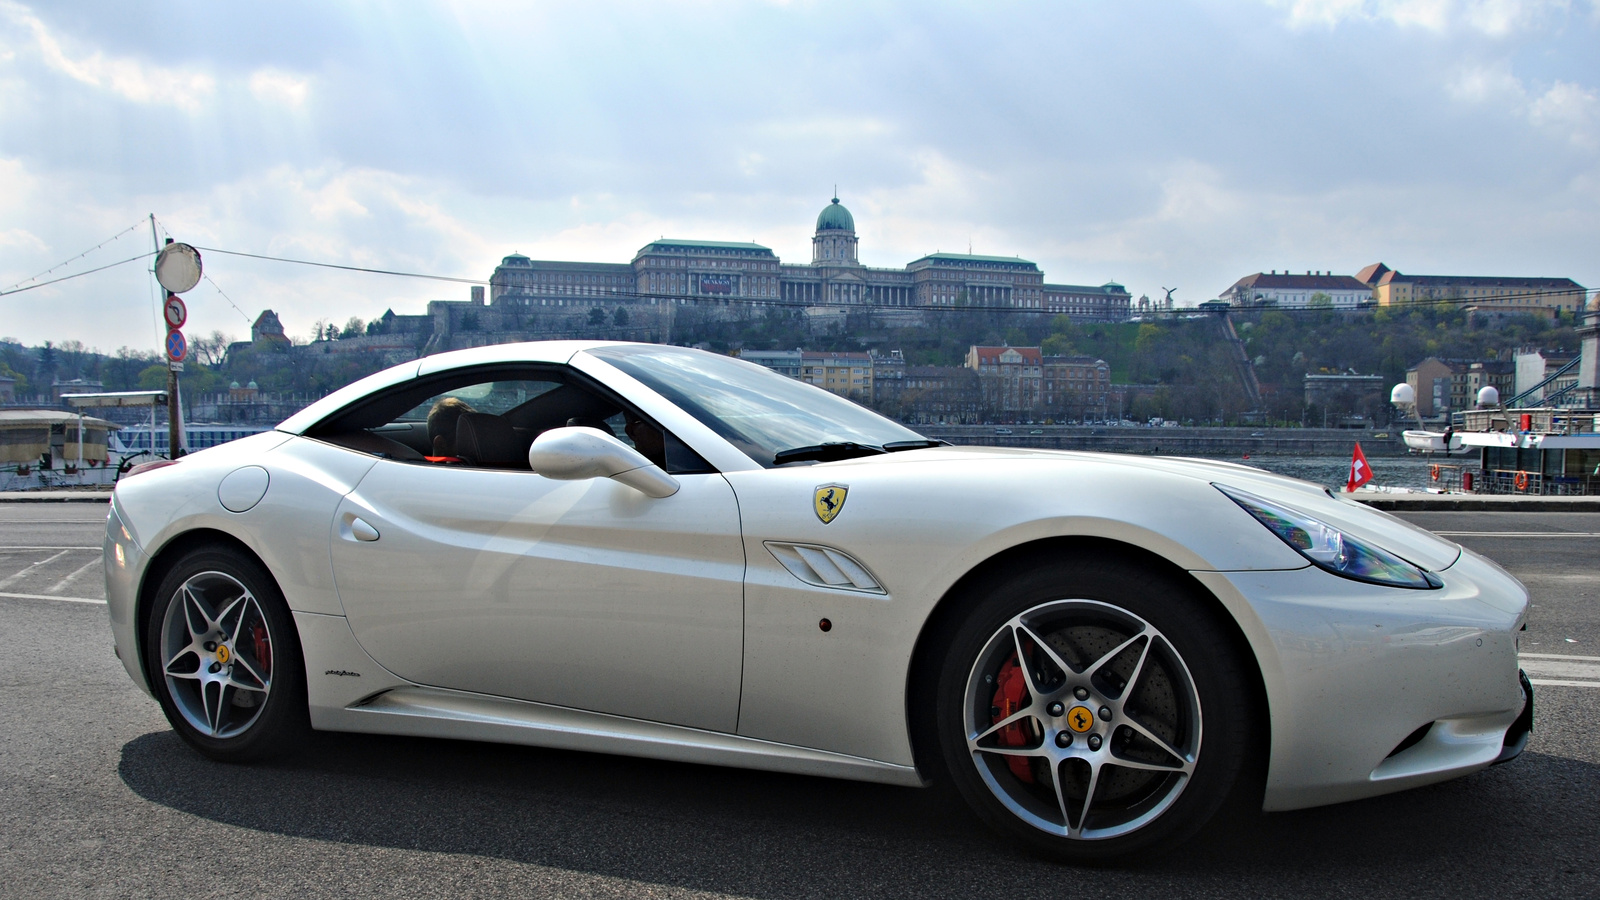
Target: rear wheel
224 657
1092 711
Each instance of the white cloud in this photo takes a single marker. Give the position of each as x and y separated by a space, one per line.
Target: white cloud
1484 83
1570 109
21 239
1566 109
126 77
279 87
1496 18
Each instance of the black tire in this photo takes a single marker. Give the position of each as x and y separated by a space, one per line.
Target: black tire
1186 714
224 657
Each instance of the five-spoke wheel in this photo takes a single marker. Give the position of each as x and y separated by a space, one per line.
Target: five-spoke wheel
1073 703
1082 719
216 654
223 656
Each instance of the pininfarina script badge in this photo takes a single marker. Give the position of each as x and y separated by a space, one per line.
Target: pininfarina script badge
828 500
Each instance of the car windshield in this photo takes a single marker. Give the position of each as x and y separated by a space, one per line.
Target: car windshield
756 409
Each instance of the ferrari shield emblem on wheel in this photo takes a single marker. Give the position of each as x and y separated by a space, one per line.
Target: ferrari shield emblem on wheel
828 500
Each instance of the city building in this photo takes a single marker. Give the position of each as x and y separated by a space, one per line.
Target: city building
268 330
846 373
1075 387
1011 378
1533 367
1110 302
1490 297
784 362
673 281
940 395
8 389
1431 380
74 386
1587 391
1346 395
1298 291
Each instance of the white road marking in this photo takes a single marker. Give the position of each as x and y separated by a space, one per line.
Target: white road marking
1558 656
9 596
1580 534
1561 670
19 547
26 569
61 585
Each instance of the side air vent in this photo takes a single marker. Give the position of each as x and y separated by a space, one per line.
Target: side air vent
824 567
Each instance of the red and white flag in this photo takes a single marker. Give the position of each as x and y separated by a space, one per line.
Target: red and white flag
1360 472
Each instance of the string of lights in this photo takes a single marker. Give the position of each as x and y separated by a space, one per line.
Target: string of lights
30 287
13 288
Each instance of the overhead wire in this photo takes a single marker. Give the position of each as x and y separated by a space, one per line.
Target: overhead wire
29 287
324 265
235 306
71 260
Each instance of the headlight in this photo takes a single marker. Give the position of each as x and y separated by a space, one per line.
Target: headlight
1331 549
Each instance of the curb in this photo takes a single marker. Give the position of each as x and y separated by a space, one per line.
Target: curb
55 496
1471 503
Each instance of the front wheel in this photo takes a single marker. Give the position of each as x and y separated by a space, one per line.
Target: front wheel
1092 711
224 657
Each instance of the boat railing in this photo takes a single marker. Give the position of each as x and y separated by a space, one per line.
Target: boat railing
1541 420
1528 482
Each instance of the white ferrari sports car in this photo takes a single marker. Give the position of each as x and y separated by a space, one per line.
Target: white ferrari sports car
649 550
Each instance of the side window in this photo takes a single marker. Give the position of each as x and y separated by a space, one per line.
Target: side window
489 418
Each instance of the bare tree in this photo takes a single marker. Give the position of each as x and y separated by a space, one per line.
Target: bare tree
211 350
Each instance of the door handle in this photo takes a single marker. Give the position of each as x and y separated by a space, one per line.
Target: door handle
356 528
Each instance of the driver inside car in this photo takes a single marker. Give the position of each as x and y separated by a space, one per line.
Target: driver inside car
442 420
646 439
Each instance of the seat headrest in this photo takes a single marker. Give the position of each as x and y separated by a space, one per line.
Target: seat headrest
483 439
591 422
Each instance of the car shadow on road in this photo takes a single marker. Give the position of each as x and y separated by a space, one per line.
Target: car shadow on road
779 836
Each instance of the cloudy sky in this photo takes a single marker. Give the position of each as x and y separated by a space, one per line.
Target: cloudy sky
1180 144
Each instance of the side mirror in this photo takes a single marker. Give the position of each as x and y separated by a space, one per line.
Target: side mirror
574 454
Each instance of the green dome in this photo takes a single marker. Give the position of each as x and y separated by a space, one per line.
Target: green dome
835 217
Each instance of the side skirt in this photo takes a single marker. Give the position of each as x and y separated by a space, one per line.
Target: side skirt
349 691
431 712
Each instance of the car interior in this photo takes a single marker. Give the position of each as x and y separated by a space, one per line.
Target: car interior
488 418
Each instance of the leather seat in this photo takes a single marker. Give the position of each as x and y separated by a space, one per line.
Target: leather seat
483 439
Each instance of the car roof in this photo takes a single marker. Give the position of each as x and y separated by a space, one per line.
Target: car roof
531 352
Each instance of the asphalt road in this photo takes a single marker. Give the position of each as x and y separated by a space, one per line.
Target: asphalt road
99 798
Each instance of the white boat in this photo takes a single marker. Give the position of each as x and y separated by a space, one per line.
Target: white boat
1431 441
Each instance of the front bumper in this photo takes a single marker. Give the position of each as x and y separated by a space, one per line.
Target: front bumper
1355 672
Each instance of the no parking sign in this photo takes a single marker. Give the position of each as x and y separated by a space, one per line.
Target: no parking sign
177 347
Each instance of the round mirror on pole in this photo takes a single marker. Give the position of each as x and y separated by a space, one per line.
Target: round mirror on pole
178 267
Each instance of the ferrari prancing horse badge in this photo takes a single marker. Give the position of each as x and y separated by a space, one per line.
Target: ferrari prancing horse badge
828 500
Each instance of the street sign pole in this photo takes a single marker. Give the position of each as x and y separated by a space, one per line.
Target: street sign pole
178 269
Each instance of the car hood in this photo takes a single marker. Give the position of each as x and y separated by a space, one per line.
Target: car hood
1389 532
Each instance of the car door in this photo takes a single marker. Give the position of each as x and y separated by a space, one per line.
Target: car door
584 594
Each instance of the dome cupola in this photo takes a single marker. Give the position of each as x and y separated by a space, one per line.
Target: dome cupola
834 217
834 244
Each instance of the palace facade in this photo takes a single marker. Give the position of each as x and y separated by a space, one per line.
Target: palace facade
720 273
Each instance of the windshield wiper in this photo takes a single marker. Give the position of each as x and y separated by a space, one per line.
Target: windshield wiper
896 446
828 452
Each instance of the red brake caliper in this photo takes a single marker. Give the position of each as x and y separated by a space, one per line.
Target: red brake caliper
263 647
1008 696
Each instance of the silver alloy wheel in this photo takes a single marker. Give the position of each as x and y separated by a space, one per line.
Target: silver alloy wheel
1036 720
216 654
